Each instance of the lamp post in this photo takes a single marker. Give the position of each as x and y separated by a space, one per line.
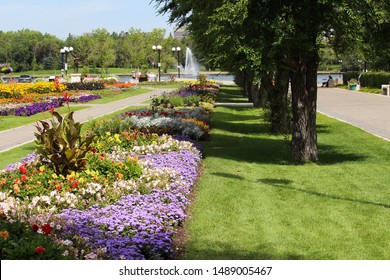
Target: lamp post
64 52
158 49
177 49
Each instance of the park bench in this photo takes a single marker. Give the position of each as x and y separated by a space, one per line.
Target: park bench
386 89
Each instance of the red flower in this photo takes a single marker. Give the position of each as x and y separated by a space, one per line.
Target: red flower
46 228
39 250
22 169
35 228
24 178
75 184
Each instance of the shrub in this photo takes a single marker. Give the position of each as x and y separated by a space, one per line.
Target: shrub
97 85
374 79
62 145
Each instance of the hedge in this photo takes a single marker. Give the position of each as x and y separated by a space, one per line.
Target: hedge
368 79
375 79
85 86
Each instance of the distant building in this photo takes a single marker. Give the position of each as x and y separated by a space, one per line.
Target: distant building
180 32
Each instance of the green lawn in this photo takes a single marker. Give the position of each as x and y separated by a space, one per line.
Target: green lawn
9 122
109 95
253 203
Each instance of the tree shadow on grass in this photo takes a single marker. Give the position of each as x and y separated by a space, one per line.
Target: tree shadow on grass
329 155
217 250
286 184
246 138
227 175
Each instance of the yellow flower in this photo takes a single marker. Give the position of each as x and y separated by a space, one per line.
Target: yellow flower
54 176
4 234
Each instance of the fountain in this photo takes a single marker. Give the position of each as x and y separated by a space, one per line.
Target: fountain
192 66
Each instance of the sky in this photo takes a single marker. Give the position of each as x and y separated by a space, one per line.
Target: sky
59 18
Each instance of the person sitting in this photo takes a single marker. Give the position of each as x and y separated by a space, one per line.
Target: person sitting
327 82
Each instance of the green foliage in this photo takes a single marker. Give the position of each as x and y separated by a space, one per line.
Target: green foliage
62 144
112 125
112 170
374 79
175 101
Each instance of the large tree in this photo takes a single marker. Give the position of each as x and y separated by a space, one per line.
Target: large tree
284 36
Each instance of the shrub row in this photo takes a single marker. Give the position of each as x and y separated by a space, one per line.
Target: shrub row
368 79
375 79
98 85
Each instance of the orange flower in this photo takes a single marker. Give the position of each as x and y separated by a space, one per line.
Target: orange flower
16 189
4 234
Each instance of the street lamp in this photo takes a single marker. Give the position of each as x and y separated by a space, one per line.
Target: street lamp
158 49
64 52
177 49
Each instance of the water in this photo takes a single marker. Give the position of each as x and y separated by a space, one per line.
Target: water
192 66
323 77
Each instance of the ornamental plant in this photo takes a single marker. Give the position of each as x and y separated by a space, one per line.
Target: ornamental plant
5 68
62 145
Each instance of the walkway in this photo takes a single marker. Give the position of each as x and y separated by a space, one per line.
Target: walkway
370 112
22 135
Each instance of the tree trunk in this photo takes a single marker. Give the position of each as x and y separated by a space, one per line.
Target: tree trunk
304 108
256 96
279 102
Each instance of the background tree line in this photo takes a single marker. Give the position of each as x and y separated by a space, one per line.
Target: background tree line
29 50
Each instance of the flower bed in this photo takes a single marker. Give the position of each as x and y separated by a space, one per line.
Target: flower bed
36 103
21 89
119 85
101 212
119 192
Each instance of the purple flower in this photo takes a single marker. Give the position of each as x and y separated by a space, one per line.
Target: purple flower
139 226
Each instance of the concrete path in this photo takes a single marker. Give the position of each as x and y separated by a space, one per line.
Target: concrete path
370 112
22 135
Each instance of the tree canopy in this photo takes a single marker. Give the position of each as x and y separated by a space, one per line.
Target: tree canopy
279 41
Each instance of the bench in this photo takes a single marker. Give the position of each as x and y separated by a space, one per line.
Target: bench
386 89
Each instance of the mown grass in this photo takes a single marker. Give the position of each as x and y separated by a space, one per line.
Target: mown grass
109 95
9 122
253 203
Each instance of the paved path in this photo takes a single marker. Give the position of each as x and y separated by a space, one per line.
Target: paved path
19 136
370 112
